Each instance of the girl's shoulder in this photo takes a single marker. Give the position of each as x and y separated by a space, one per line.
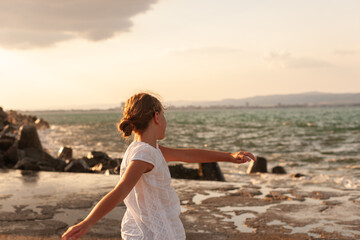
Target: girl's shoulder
136 148
142 151
143 145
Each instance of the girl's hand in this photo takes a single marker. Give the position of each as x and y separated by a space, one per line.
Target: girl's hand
242 157
76 231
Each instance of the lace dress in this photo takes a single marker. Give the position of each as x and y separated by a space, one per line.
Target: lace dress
153 207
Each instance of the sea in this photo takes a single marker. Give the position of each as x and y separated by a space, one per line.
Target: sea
322 143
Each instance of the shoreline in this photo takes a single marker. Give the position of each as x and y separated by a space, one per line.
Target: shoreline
42 205
185 108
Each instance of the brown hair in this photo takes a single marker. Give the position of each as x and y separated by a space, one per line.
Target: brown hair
137 113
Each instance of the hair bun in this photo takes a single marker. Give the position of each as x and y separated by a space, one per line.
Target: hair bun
126 127
137 113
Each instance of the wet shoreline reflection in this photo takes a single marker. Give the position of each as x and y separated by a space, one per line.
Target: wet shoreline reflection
29 177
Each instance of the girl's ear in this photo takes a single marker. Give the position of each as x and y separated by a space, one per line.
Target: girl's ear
156 118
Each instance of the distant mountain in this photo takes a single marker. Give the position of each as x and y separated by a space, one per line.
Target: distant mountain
309 98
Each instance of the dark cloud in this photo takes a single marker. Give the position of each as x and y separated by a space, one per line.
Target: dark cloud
284 59
41 23
347 52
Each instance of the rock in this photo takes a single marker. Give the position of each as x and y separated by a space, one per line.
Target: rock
97 168
27 163
297 175
110 172
2 163
118 161
34 153
44 160
206 171
48 162
110 164
278 170
3 119
41 123
29 138
117 169
11 156
65 153
77 165
260 165
6 143
181 172
97 154
20 119
3 116
95 157
9 131
91 162
211 171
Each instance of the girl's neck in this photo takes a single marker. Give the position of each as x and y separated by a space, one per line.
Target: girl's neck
147 138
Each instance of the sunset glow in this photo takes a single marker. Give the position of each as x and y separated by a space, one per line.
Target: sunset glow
182 50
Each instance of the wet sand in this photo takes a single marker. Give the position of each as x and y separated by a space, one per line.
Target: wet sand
41 205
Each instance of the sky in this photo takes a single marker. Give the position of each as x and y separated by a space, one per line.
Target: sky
85 53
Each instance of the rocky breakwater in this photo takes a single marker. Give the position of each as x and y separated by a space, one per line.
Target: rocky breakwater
20 148
260 166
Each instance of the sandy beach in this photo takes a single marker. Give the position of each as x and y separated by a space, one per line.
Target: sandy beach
41 205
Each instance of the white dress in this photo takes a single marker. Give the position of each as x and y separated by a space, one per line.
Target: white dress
153 207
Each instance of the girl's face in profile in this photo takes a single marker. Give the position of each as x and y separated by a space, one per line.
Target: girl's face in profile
163 123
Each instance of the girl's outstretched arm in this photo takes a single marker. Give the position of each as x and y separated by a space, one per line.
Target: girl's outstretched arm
111 200
202 156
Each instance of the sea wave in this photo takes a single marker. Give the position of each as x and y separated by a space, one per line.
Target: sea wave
322 143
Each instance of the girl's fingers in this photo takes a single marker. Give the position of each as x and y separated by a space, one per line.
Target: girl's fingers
70 234
77 236
252 157
243 157
248 158
249 155
66 236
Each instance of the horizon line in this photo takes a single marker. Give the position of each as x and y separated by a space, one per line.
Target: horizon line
109 106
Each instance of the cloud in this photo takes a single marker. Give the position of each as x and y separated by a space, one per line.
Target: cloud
42 23
204 50
284 59
347 52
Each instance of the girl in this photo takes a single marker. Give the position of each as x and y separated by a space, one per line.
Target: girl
153 207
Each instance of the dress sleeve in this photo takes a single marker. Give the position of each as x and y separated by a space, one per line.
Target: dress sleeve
144 153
